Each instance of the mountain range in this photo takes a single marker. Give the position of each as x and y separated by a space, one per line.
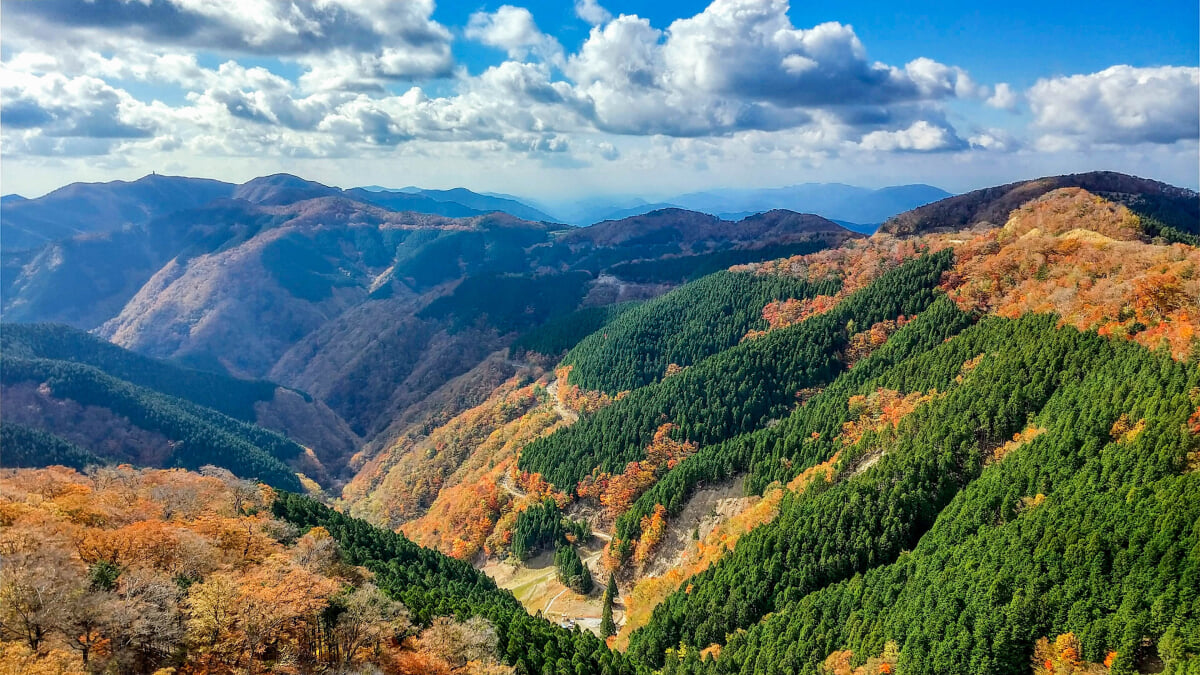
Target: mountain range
859 208
337 293
667 443
82 208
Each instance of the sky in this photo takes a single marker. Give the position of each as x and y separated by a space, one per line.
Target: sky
560 99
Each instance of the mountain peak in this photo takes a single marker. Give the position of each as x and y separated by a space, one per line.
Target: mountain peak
991 206
281 188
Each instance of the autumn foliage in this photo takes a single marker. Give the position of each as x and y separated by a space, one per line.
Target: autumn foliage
1064 657
131 571
617 493
1077 255
838 663
880 410
709 547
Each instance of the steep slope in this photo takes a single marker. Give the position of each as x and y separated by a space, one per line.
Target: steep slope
1158 204
371 310
681 328
101 207
733 391
325 256
956 496
126 423
86 280
896 387
292 413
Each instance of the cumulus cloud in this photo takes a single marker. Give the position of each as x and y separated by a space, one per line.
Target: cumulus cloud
513 30
1004 97
54 114
741 65
407 43
750 49
1120 105
921 136
591 12
993 139
736 77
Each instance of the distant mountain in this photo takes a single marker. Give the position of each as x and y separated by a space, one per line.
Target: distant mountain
1165 210
413 201
86 208
831 200
282 188
631 211
697 232
835 201
455 202
486 203
82 208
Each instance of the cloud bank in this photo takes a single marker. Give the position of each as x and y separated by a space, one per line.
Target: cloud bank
330 79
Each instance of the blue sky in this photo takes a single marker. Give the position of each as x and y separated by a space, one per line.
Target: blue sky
1030 39
560 101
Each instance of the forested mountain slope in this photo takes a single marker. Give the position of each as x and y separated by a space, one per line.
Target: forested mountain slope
126 423
1033 515
1164 210
918 410
682 327
971 446
292 413
171 569
734 391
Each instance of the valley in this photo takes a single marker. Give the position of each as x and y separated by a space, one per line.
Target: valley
669 443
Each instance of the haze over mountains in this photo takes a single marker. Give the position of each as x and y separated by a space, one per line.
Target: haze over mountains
836 201
100 207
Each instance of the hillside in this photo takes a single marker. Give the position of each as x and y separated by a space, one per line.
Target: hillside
168 568
125 423
969 447
925 383
292 413
1165 210
82 208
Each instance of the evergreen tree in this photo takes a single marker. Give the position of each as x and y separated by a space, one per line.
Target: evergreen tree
607 627
571 571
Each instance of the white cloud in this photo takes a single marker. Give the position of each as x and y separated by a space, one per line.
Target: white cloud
1119 105
741 64
749 49
1004 97
387 40
997 140
922 136
513 30
736 83
591 12
58 115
